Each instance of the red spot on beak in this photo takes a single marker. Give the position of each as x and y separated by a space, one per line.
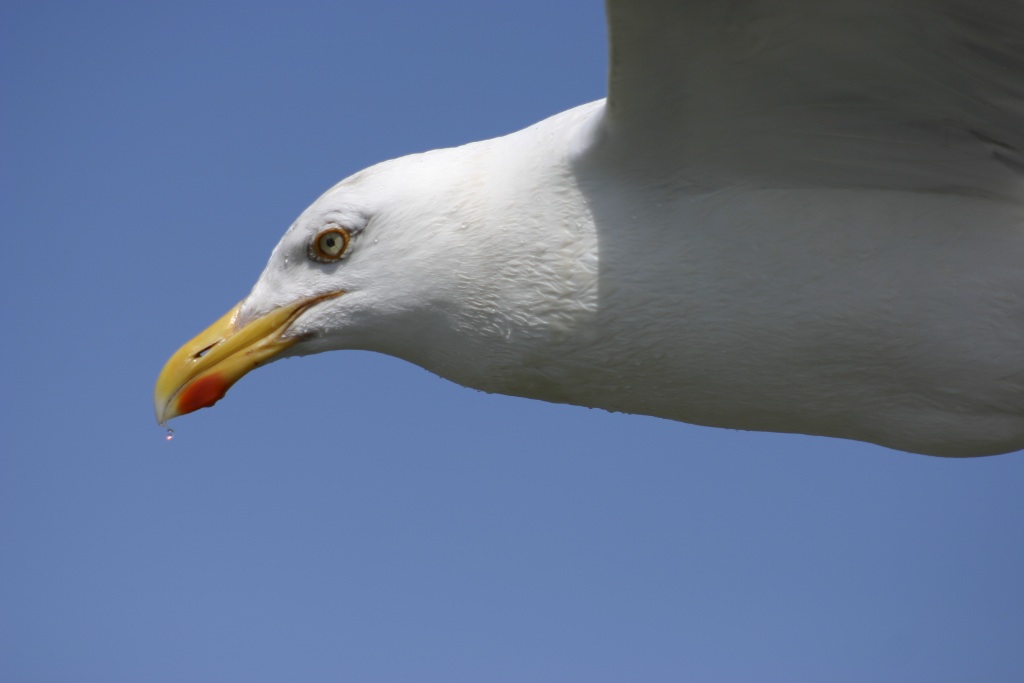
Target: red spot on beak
203 393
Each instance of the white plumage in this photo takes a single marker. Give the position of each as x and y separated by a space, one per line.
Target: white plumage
789 215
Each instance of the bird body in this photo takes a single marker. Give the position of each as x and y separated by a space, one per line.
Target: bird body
776 243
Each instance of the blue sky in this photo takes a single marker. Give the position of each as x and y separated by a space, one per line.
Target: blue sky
350 517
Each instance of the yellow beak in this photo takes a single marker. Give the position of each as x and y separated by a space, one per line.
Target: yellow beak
201 372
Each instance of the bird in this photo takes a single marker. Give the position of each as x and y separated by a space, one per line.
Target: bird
798 216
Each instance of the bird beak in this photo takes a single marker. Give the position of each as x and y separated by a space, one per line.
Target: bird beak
201 372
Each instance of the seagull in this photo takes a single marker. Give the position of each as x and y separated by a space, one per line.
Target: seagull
801 216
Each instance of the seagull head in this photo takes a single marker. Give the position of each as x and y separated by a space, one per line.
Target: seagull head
367 266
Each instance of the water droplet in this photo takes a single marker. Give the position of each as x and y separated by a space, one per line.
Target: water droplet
170 434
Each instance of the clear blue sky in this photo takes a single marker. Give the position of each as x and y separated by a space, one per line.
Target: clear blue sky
350 517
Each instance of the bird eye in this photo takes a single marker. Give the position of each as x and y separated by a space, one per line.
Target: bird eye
330 245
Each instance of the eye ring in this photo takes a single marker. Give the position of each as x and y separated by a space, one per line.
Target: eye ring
330 245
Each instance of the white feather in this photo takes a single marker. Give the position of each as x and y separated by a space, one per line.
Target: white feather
789 216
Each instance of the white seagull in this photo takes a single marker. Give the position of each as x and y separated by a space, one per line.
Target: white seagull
788 215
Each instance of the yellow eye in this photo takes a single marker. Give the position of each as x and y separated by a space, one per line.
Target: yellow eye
330 245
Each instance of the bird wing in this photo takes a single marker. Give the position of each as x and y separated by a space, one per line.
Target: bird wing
922 95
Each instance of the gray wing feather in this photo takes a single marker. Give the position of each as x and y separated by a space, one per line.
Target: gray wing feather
925 95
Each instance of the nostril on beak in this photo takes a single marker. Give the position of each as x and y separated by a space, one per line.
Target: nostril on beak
203 352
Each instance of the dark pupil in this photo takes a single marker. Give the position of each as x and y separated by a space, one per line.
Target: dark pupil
330 243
